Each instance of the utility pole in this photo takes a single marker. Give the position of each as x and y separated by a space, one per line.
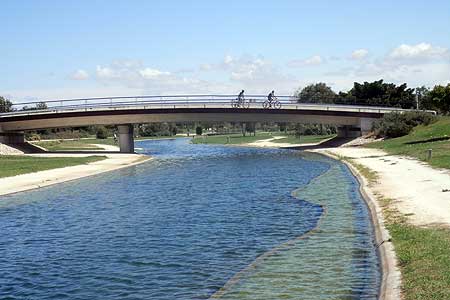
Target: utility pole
417 98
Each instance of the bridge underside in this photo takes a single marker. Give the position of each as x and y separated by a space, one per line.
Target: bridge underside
11 130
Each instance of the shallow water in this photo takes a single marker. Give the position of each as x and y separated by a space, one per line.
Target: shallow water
195 222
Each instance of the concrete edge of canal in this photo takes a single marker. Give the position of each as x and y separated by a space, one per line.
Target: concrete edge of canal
390 288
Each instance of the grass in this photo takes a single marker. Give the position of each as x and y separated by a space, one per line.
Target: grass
424 259
435 136
84 144
237 138
11 165
75 145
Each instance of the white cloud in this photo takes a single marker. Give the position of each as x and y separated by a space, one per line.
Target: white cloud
206 67
228 59
419 52
360 54
105 73
314 60
311 61
79 75
149 73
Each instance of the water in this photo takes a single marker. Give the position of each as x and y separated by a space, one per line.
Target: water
196 222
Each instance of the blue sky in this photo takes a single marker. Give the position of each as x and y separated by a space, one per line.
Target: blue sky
64 49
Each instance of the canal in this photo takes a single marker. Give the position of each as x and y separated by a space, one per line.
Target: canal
196 222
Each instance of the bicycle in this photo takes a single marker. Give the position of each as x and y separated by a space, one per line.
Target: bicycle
240 103
274 103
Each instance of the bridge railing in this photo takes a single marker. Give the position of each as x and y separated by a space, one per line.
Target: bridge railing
173 101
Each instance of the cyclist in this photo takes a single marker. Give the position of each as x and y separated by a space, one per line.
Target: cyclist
241 96
271 97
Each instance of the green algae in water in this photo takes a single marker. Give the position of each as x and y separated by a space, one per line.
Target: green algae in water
337 260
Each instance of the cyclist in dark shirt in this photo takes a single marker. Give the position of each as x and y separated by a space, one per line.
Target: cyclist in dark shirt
271 96
241 96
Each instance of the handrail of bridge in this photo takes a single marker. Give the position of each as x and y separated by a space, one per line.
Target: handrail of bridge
172 101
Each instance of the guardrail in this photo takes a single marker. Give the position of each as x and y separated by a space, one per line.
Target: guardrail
175 101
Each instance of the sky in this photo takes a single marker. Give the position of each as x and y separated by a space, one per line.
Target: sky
69 49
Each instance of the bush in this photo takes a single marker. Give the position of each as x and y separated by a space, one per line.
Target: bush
198 130
102 132
399 124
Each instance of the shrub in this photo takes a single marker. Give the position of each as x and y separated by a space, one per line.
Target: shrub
102 132
198 130
399 124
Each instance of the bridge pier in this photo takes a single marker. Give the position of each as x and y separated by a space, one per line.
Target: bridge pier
350 131
366 125
126 138
12 138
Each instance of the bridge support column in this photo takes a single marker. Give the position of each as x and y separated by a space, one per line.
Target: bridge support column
12 138
348 131
126 138
366 125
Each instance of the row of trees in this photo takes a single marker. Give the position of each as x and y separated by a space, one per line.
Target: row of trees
381 94
6 105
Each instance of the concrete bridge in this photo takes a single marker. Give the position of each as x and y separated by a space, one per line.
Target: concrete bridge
125 111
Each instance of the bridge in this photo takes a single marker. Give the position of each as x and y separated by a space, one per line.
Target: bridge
125 111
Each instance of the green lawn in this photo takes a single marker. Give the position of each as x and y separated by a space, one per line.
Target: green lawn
84 144
435 136
237 138
11 165
424 258
75 145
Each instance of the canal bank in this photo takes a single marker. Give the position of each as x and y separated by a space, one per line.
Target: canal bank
36 180
390 288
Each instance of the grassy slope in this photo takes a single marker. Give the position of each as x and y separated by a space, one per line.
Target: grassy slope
420 137
69 145
237 138
16 164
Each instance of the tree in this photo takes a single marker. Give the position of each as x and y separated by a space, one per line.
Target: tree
381 94
439 98
198 130
422 98
5 105
102 132
316 93
397 124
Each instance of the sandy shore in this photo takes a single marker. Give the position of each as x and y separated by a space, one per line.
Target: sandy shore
114 161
